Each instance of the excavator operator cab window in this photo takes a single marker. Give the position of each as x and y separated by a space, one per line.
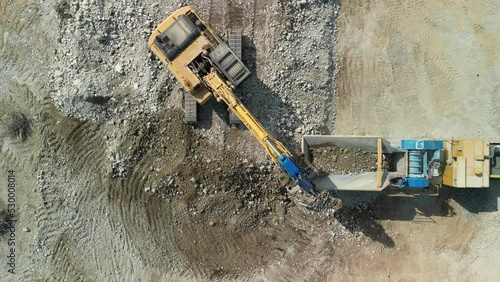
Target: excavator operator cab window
194 19
166 46
177 37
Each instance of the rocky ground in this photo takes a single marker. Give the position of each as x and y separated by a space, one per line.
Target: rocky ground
334 160
112 185
108 155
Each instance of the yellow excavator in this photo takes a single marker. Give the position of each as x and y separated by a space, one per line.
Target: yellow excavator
205 66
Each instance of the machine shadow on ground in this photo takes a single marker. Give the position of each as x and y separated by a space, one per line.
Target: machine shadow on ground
362 212
362 218
261 100
381 206
475 200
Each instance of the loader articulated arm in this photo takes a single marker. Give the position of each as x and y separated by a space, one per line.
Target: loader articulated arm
275 149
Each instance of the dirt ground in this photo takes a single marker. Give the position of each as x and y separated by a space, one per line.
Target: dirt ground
113 186
418 69
424 69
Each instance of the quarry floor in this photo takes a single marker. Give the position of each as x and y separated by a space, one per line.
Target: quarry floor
113 186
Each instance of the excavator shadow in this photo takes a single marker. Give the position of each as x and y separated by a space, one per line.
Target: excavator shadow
261 100
206 111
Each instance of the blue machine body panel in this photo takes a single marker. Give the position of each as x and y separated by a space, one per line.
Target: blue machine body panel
427 145
419 154
437 155
415 160
296 173
412 182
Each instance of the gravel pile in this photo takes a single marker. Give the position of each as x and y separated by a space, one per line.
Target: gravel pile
295 87
103 69
345 160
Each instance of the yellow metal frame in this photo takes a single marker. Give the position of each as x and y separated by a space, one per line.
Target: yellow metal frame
222 91
179 66
467 164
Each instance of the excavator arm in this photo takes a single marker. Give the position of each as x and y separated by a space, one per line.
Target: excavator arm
275 149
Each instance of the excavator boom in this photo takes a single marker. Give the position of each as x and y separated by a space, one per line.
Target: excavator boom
275 149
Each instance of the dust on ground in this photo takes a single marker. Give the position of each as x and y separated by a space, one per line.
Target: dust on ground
406 70
112 184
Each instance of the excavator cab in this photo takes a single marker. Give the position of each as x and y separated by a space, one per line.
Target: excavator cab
176 37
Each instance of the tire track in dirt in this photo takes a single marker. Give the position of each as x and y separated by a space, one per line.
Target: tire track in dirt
252 7
216 15
64 219
127 192
330 36
147 218
305 252
232 253
73 202
141 215
408 56
64 266
235 15
87 145
52 142
83 230
70 205
135 183
8 159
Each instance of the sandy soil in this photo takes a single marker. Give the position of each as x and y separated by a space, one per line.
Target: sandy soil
419 69
112 185
424 69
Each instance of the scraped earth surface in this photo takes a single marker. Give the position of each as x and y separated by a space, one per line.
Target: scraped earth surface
113 186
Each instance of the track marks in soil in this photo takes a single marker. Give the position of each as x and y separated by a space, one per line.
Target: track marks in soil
17 153
65 268
85 142
197 237
73 191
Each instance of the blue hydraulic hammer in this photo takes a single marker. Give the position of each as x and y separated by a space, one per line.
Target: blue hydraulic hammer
296 174
289 166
